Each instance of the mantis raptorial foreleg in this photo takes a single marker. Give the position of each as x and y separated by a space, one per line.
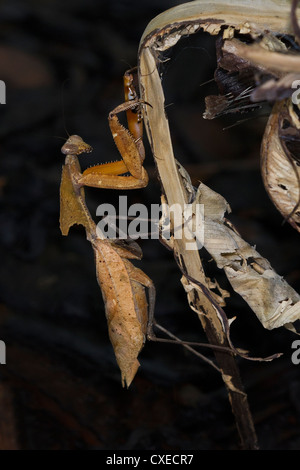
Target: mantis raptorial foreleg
129 143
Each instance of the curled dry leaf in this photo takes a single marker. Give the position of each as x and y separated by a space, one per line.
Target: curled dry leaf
274 302
271 298
280 160
193 288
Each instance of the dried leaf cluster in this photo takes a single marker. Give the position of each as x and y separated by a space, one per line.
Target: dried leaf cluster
260 68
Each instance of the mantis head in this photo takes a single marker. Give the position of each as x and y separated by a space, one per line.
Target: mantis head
75 146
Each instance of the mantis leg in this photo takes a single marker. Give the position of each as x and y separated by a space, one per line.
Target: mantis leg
131 150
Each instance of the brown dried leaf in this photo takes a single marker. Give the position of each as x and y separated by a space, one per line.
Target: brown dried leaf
274 302
280 161
249 273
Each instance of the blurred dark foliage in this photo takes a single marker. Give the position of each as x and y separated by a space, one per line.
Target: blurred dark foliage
62 63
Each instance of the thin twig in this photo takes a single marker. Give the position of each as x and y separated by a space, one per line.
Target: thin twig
188 344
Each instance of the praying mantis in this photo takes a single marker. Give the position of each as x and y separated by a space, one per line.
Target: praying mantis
122 284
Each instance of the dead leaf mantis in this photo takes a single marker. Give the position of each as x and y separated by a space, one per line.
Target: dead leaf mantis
122 284
130 319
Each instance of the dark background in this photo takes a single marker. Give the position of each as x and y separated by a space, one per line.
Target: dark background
63 63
